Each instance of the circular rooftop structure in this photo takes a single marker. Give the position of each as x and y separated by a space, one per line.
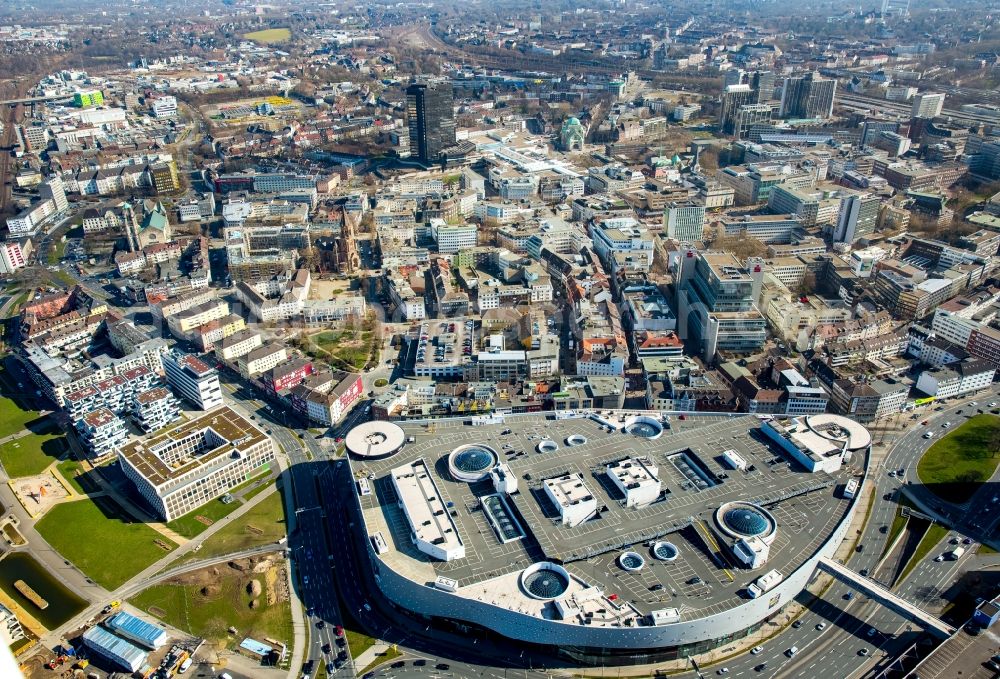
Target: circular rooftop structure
544 580
631 562
665 551
644 427
746 520
839 430
547 446
472 462
375 439
576 440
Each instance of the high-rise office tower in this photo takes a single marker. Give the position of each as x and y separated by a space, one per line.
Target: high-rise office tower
927 105
808 96
734 97
717 303
750 115
763 83
431 118
53 190
858 217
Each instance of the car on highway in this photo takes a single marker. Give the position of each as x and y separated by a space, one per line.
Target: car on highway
993 404
339 629
443 666
756 649
929 435
321 624
760 668
342 655
863 652
792 651
326 648
797 624
872 632
820 626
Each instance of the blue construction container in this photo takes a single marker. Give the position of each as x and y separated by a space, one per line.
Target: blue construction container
116 650
134 629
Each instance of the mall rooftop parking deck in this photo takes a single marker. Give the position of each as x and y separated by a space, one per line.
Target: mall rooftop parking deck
704 579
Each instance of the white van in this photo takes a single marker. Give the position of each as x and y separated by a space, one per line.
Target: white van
792 651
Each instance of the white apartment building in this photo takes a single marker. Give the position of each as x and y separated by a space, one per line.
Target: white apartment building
183 322
969 376
239 344
12 257
262 359
194 381
451 238
154 409
196 461
164 107
622 236
927 105
102 432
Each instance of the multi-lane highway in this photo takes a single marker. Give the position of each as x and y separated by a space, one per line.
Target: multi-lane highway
310 556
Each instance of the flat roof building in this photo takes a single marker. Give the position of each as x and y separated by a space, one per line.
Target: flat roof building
575 502
431 528
637 478
196 461
195 381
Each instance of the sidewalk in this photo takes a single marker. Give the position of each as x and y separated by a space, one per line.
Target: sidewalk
370 655
300 628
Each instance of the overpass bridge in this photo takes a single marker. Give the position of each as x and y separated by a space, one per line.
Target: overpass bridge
35 100
874 590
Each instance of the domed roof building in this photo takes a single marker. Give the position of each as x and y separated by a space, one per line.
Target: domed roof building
572 134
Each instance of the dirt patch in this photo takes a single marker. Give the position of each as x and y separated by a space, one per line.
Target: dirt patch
163 545
158 612
204 519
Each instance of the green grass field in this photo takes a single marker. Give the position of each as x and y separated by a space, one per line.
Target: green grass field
209 610
68 469
102 540
191 526
270 36
30 455
56 253
261 525
955 466
13 419
935 533
346 349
